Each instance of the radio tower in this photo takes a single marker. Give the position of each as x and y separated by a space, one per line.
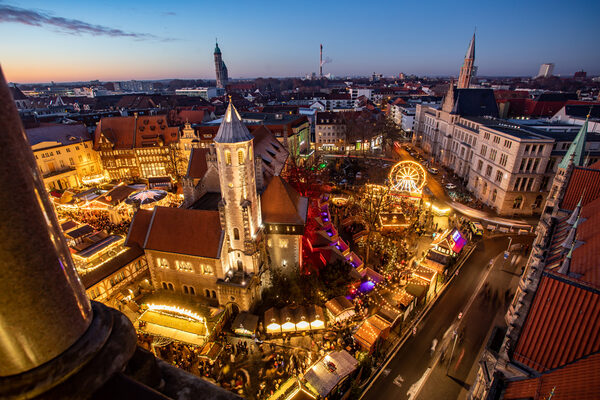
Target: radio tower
321 63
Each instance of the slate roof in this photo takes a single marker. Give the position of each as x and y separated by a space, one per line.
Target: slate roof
563 325
17 94
282 204
232 129
581 110
62 133
179 230
475 102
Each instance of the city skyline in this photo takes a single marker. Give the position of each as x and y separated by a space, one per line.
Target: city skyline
148 41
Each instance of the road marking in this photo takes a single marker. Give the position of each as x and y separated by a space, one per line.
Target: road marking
414 390
398 380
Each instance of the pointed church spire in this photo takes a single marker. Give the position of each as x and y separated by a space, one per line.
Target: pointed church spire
566 264
471 50
575 214
570 240
232 129
576 150
466 72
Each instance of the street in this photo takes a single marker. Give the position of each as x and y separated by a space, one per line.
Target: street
418 369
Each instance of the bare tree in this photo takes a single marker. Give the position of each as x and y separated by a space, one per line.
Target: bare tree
374 199
176 162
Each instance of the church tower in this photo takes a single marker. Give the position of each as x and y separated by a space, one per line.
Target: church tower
220 68
466 72
240 204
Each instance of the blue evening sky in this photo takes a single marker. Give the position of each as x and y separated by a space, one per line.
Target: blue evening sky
281 38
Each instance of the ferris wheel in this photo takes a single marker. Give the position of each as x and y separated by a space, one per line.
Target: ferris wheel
408 177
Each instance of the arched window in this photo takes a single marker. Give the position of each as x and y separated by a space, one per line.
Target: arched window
214 294
538 201
494 195
518 202
250 153
227 157
240 156
165 285
185 289
484 191
236 234
171 286
207 292
240 265
192 291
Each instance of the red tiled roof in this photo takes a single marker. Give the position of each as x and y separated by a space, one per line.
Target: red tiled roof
139 228
136 132
563 325
197 166
583 181
184 231
182 116
577 381
282 204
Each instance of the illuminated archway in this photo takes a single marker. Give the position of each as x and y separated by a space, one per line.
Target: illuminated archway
407 177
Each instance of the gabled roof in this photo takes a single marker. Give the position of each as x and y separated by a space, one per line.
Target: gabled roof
197 166
475 102
184 231
563 325
139 228
232 129
136 132
116 195
282 204
579 380
17 94
575 153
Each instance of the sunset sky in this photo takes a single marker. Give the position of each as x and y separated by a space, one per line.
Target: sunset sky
121 40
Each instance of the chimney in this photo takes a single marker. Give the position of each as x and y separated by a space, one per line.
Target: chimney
321 63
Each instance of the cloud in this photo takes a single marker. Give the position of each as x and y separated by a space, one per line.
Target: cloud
66 25
169 13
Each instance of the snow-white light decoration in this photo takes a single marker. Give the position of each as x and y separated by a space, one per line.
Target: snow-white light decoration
147 196
408 177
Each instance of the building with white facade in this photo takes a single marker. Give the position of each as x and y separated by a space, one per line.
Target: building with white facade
546 70
206 93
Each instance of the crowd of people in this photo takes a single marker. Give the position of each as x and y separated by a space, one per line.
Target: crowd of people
97 219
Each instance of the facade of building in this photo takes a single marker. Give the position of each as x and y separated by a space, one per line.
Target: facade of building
65 155
551 339
238 219
137 147
546 70
330 131
220 68
206 93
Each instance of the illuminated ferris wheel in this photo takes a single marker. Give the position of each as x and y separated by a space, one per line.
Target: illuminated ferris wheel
408 177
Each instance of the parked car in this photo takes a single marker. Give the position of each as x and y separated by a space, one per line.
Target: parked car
433 171
450 186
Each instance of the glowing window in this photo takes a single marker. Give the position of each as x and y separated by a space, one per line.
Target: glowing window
240 156
228 157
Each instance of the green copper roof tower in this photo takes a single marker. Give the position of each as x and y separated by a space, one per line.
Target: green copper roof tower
577 149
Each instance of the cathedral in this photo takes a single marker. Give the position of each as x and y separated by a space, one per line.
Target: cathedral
238 220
